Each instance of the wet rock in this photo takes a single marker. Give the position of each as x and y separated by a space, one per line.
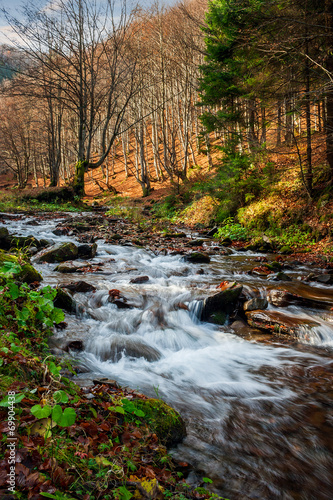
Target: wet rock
70 267
212 232
74 345
46 243
277 322
218 306
4 238
140 279
275 266
32 251
164 421
260 271
242 329
58 253
226 242
116 297
327 279
87 251
27 274
254 304
106 381
121 304
123 345
115 237
173 235
280 277
80 287
59 231
197 258
64 301
283 277
284 298
195 243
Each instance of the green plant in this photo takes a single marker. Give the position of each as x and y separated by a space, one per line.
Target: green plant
231 229
29 309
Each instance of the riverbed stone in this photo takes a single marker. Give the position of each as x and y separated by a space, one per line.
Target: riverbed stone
277 322
64 301
197 258
284 298
123 345
216 308
80 287
255 303
87 251
60 252
70 267
327 279
163 420
139 280
4 238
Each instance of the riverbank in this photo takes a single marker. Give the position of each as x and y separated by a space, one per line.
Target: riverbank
64 442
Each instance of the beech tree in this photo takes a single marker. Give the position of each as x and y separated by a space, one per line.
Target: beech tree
80 63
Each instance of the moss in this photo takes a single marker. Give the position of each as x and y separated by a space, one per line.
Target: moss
27 274
78 184
163 420
285 250
59 253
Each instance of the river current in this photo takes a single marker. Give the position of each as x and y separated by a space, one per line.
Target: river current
258 412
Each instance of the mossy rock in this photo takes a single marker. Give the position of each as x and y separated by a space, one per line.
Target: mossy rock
64 301
60 252
28 273
274 266
51 195
163 420
24 242
4 238
285 250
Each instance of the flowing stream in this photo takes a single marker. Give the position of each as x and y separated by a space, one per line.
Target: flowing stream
258 411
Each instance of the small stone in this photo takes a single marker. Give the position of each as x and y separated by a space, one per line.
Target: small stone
197 257
255 304
80 287
327 279
140 279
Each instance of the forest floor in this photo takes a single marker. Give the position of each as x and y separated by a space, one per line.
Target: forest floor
281 210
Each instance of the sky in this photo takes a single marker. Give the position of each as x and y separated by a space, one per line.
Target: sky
14 7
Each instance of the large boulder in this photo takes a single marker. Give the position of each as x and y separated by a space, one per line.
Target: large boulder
217 307
59 252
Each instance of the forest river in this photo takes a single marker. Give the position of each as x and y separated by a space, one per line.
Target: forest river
258 411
